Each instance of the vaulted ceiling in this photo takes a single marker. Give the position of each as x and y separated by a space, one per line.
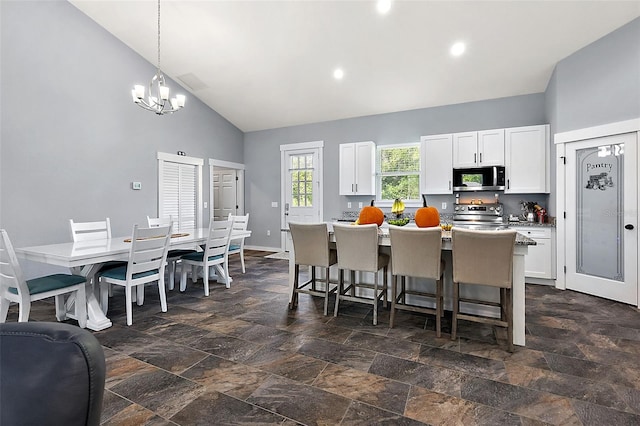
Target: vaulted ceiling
269 64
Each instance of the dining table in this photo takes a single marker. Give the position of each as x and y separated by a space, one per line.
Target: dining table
521 249
86 257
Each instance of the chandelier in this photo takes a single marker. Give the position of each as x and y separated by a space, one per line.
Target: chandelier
158 91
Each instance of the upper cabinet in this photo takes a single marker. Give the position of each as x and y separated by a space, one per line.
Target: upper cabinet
477 149
527 159
357 168
437 164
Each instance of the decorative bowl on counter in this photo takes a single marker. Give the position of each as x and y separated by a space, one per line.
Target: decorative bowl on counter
398 222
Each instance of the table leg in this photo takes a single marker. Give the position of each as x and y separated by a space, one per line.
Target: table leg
96 319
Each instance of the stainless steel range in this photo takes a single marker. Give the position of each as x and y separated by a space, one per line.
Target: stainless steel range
479 215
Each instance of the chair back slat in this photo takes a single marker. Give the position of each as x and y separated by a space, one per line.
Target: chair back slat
87 231
310 243
10 271
219 238
483 257
357 247
416 252
149 247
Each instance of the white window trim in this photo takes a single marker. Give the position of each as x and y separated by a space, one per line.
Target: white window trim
182 159
388 203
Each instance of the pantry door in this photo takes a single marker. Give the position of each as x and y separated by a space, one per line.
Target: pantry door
602 217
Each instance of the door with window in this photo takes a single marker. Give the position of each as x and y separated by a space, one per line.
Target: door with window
302 185
602 217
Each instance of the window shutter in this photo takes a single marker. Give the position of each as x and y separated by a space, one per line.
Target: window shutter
178 189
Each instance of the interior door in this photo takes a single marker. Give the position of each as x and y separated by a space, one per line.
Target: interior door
302 188
224 193
602 217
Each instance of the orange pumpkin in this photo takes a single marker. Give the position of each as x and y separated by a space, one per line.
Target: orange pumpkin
371 214
426 217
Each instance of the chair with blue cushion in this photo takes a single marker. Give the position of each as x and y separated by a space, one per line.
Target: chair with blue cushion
236 246
147 259
173 257
14 288
216 254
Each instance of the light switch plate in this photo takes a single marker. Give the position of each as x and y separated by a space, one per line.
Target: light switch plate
444 205
274 204
136 185
349 204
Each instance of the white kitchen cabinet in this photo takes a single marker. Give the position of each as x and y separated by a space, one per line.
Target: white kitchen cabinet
527 160
437 164
357 168
540 260
477 149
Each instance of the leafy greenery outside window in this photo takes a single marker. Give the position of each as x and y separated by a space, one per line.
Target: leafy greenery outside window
399 172
301 180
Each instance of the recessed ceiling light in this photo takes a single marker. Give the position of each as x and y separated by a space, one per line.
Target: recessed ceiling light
338 74
383 6
457 49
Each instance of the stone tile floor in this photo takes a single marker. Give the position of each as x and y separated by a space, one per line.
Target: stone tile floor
240 356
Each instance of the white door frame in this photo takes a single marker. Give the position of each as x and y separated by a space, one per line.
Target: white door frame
560 139
320 191
239 167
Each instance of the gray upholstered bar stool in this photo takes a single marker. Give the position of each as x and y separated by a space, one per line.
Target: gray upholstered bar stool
358 251
484 258
311 248
416 252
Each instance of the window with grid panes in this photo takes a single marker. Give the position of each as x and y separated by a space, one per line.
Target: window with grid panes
398 172
301 180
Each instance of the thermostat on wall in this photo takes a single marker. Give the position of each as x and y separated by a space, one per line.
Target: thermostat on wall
136 185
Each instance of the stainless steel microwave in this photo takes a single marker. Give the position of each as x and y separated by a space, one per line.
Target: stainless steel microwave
479 179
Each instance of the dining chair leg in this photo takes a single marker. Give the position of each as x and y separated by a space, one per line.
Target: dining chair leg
339 292
4 309
242 259
183 277
205 279
509 319
313 278
172 273
227 279
140 295
394 283
24 308
129 302
163 295
456 307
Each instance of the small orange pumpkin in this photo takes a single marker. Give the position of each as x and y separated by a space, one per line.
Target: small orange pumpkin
426 217
371 214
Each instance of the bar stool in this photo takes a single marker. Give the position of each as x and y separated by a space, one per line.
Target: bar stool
311 248
416 252
484 258
357 248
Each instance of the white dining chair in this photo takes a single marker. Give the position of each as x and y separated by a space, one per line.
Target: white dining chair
14 288
147 259
236 245
215 254
174 255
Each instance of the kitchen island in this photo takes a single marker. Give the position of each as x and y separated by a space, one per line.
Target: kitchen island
518 291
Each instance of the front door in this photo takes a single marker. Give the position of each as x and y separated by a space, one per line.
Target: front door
302 189
602 217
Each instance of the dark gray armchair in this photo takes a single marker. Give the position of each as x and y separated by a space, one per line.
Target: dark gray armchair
50 374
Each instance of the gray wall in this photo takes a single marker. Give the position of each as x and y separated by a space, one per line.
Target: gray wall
72 139
600 83
262 153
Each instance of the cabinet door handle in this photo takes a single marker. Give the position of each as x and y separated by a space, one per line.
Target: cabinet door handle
474 158
628 226
449 185
481 157
508 184
356 187
352 188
